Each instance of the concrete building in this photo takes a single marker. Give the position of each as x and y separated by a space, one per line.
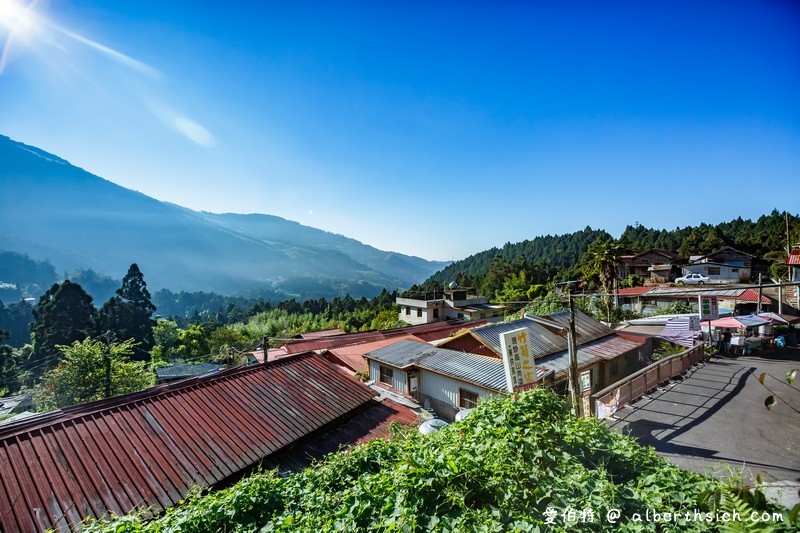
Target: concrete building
454 303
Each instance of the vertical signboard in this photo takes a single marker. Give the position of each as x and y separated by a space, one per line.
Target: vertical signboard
518 359
586 392
586 381
709 307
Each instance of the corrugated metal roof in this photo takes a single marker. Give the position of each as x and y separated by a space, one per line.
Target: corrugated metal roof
589 353
609 347
371 422
146 450
794 257
372 336
587 328
324 333
182 371
543 341
740 294
353 356
486 372
629 292
559 363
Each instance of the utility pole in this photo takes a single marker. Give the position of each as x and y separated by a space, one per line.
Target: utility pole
107 357
760 289
573 358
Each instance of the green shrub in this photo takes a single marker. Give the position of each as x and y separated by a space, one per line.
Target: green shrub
503 468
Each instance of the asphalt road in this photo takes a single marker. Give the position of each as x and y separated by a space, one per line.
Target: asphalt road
714 421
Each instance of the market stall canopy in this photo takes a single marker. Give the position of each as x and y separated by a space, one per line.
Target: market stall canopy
777 319
744 321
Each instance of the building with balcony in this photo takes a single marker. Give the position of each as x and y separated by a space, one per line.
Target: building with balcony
453 303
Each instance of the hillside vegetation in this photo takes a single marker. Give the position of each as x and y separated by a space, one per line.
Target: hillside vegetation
507 467
560 257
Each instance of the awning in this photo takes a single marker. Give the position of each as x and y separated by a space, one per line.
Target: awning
745 321
775 318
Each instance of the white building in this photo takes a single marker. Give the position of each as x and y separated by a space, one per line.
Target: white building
452 304
443 380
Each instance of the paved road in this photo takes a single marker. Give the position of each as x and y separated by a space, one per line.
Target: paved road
714 420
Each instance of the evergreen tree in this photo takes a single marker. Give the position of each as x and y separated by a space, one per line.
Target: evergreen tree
9 373
64 314
129 314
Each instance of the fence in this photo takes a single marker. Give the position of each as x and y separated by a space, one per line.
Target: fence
633 387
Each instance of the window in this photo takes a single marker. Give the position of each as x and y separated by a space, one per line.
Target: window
713 271
467 399
435 312
408 310
419 313
386 375
460 315
614 367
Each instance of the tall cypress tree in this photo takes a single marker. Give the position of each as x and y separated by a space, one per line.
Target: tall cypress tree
9 373
129 314
63 315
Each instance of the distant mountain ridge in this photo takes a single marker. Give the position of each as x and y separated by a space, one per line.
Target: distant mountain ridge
50 209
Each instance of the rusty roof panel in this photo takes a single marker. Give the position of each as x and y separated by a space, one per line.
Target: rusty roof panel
587 329
442 328
146 450
543 341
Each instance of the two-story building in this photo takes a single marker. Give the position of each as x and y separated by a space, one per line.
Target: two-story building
655 264
454 303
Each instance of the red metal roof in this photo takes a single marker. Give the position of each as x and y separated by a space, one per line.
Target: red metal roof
353 356
794 257
324 333
444 328
146 450
751 295
633 291
609 347
372 422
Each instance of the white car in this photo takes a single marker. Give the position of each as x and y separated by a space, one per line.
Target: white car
693 279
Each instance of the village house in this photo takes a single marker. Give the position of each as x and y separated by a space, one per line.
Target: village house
737 300
793 263
459 370
727 265
145 451
424 332
454 303
608 356
656 265
445 381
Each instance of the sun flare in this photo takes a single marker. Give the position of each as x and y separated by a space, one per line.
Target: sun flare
18 23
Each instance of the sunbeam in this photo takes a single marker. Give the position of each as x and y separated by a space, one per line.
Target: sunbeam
23 22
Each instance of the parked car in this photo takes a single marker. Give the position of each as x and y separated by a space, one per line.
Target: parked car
693 279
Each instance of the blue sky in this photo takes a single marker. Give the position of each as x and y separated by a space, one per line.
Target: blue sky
437 129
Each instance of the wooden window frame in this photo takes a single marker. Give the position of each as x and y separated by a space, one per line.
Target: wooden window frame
467 403
386 371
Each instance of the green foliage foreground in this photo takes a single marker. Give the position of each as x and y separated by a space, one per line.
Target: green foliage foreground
507 467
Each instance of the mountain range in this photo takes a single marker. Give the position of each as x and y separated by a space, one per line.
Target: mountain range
50 209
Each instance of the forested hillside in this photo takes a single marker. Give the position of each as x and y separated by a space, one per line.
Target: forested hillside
555 250
555 257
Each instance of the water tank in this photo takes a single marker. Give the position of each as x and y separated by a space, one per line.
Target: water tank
432 426
452 284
